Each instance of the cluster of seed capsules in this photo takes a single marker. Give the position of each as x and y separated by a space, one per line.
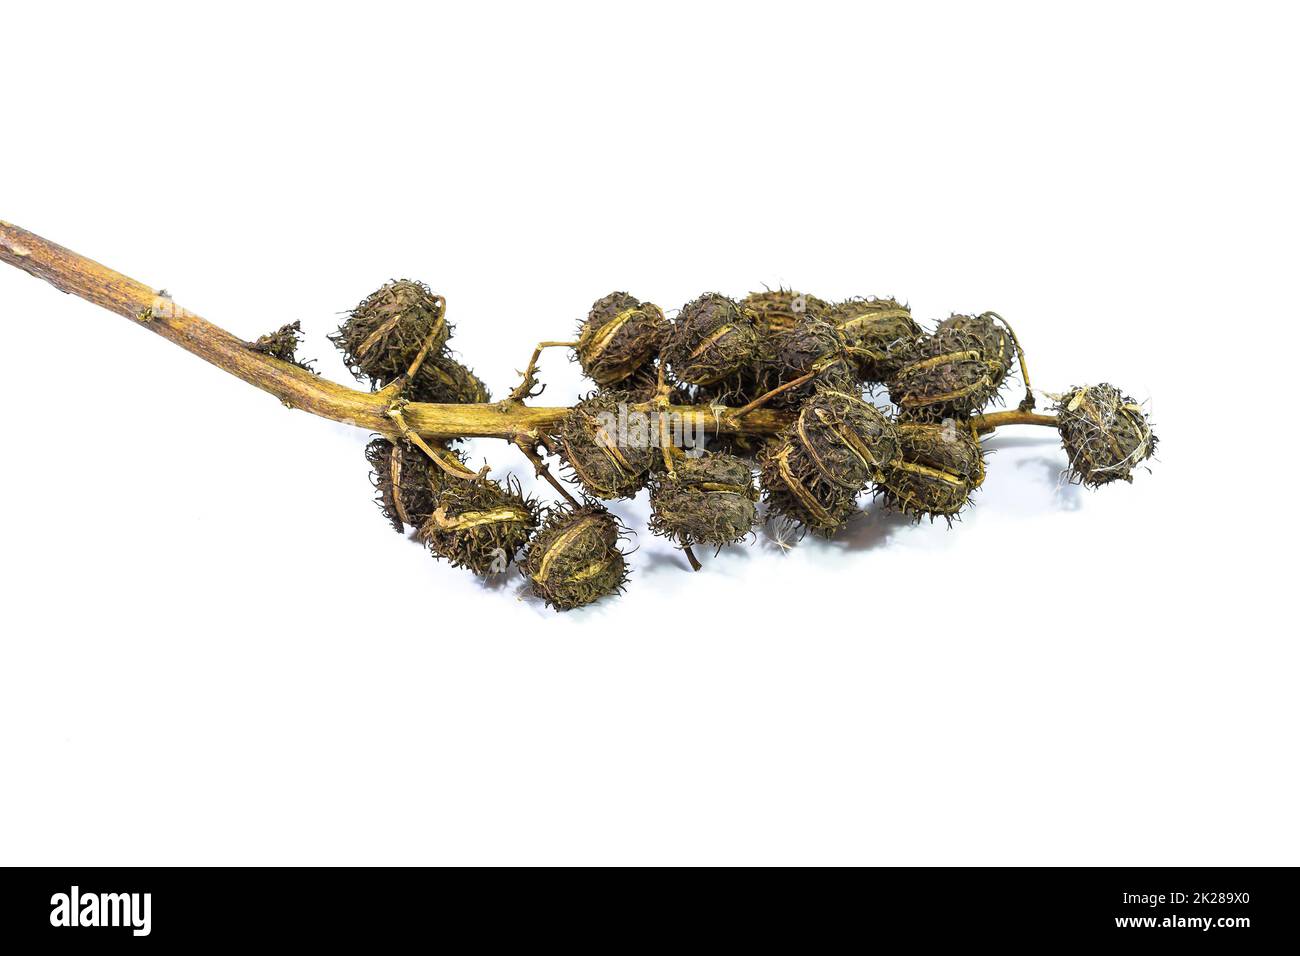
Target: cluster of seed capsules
822 363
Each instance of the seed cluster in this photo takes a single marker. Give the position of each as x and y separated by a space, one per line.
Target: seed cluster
825 366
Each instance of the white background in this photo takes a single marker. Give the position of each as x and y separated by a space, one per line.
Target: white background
215 651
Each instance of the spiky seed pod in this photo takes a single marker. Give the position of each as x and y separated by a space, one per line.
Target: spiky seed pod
712 338
706 500
643 386
794 489
880 333
780 310
574 559
619 337
283 345
479 524
848 440
996 342
445 381
939 465
1106 434
406 480
385 332
609 446
813 345
956 371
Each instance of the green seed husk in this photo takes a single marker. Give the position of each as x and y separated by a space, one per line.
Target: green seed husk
479 524
574 560
384 333
620 336
1106 434
712 339
707 500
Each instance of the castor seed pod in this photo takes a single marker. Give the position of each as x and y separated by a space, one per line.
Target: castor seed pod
479 524
847 439
780 310
996 342
574 559
794 489
620 336
956 371
443 380
608 445
283 345
879 334
384 333
706 500
406 480
712 338
938 466
1106 434
814 345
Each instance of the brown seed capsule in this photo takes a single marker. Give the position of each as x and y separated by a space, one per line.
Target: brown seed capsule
479 524
939 465
385 332
706 500
574 559
794 489
609 445
957 370
1106 434
879 333
445 381
283 345
848 440
407 481
782 309
813 345
619 337
712 338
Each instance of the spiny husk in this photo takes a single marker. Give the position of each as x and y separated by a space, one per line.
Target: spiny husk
574 559
812 345
479 524
706 500
608 447
956 371
794 489
938 466
443 380
1106 434
384 333
779 310
643 386
848 440
880 333
619 337
283 344
406 480
712 339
